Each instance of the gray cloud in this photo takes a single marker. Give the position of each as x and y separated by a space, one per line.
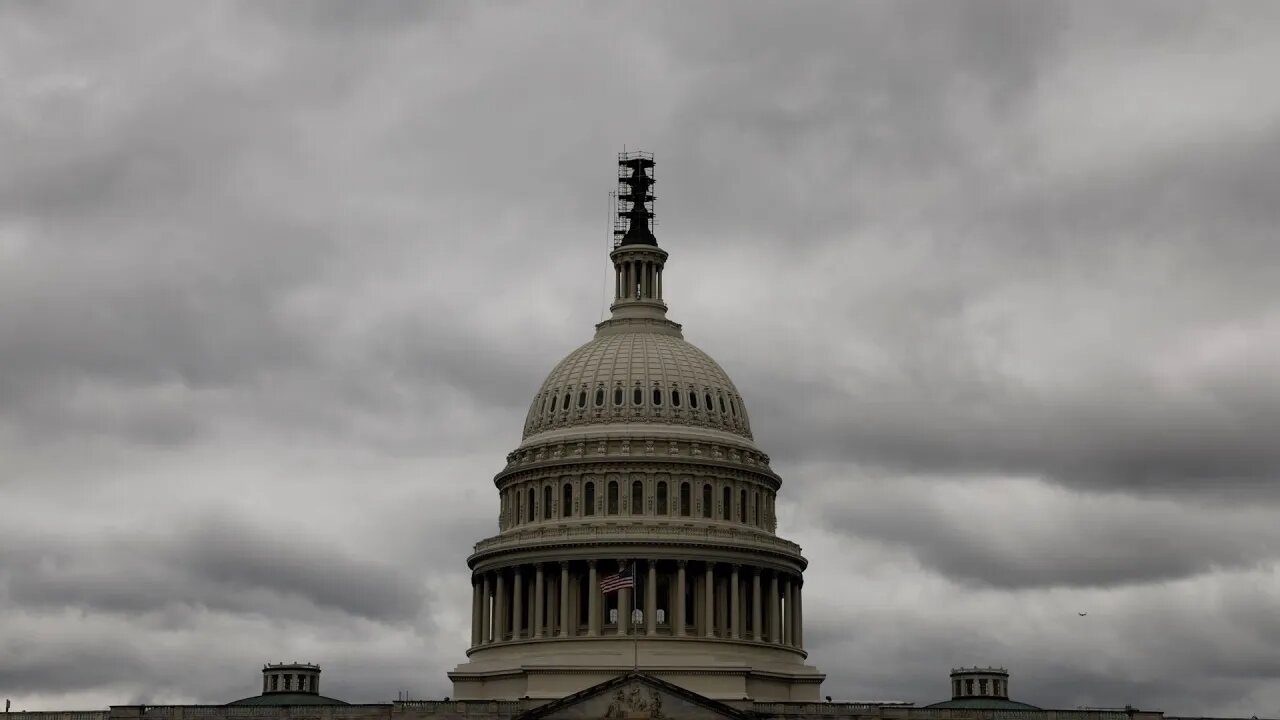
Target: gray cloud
996 280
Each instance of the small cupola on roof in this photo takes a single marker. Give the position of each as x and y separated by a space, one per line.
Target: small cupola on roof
289 684
981 688
291 678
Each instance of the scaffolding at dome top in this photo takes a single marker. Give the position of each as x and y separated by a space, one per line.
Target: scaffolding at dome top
633 200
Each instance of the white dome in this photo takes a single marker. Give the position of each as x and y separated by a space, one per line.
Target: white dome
640 377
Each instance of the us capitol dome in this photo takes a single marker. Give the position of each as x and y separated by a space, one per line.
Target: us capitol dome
637 461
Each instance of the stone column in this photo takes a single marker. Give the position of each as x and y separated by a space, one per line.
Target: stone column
735 605
708 600
775 605
593 600
517 605
553 610
500 608
680 591
476 610
564 599
757 609
624 611
797 635
789 614
539 601
651 599
486 624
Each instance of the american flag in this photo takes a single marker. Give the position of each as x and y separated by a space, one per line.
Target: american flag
623 579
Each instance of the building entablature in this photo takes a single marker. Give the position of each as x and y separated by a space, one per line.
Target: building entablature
725 544
655 443
701 467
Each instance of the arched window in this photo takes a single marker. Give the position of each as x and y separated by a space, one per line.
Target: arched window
599 397
582 398
528 508
589 498
544 403
722 410
693 400
612 499
685 500
661 498
726 503
546 502
566 501
617 396
756 501
733 407
706 500
553 403
710 407
657 396
637 397
675 397
567 395
742 506
637 498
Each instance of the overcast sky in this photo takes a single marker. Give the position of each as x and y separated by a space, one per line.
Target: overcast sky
997 281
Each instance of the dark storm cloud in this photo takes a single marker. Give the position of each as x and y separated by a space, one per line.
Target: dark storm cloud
1024 534
322 255
218 563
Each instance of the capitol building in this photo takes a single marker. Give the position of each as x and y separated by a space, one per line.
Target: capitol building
636 571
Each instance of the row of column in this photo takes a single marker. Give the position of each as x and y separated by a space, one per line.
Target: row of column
647 275
714 600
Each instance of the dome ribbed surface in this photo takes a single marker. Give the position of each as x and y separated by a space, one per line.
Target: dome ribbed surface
611 367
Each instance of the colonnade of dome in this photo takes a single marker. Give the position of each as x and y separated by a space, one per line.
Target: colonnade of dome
674 597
